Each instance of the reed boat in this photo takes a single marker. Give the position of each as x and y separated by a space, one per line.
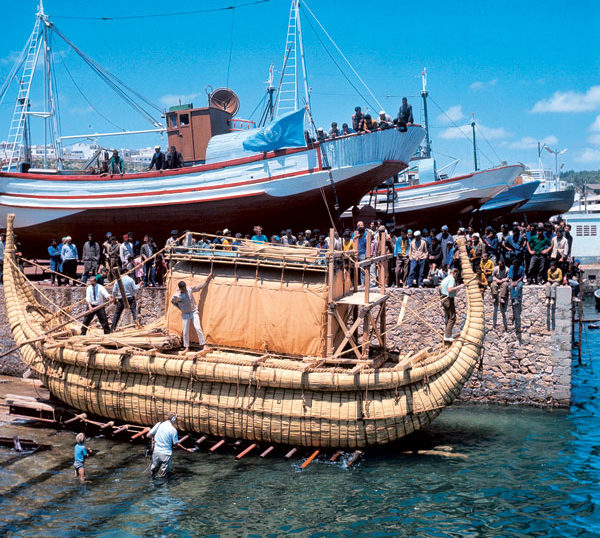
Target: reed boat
298 353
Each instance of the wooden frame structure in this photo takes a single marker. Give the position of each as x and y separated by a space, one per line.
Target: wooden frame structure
360 314
367 309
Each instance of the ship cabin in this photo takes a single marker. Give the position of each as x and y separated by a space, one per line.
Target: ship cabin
190 129
296 302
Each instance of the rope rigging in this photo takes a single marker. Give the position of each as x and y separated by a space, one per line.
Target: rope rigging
459 128
161 15
114 82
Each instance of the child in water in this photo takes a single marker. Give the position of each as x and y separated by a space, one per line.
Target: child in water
80 454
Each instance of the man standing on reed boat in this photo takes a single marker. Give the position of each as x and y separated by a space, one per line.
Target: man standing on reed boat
130 288
448 291
96 295
164 438
184 300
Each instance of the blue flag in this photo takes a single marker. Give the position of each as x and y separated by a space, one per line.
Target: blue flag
286 131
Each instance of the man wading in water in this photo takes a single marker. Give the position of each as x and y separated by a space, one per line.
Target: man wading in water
164 436
184 300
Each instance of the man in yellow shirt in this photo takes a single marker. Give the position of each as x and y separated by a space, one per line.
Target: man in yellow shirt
487 266
554 280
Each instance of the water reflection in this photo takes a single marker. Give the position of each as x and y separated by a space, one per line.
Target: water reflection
525 472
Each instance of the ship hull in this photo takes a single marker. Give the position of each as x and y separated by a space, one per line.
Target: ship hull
506 202
544 205
450 201
281 189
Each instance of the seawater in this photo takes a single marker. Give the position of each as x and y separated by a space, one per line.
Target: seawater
519 472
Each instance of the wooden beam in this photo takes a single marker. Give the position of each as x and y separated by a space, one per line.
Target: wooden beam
375 259
309 460
266 452
217 445
244 452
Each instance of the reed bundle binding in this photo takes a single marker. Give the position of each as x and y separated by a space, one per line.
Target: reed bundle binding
257 394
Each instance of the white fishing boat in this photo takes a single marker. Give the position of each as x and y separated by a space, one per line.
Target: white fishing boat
267 176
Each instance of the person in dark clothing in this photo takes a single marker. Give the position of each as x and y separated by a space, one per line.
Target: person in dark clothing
158 159
357 119
538 247
368 124
334 131
174 158
147 251
116 165
405 114
55 262
90 257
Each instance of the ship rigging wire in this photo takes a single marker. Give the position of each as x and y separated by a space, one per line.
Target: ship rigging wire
342 55
114 82
459 128
161 15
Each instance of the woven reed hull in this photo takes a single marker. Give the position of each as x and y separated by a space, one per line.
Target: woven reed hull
225 395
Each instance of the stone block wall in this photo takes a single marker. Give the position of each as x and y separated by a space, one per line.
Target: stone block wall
533 368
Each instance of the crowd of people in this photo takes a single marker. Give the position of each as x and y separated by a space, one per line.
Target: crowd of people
364 123
116 165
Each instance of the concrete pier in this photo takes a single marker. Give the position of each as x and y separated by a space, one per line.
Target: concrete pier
533 368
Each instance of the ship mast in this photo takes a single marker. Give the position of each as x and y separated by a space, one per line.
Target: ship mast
424 94
288 91
474 141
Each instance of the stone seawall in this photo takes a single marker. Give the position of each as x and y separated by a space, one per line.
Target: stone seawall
533 368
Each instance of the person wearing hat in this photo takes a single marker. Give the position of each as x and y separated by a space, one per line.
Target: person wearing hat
174 159
477 250
538 247
116 165
321 135
417 254
90 256
105 248
96 295
125 251
158 159
114 258
227 241
172 241
357 119
385 122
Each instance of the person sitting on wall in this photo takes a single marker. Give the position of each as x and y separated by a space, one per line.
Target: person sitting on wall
184 300
174 159
158 159
553 280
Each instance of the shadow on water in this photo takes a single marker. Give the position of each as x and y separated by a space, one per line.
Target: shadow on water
519 472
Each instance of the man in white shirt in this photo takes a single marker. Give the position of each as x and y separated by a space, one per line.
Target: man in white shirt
130 288
164 435
184 301
448 290
96 295
125 251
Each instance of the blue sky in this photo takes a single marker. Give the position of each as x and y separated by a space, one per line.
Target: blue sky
529 71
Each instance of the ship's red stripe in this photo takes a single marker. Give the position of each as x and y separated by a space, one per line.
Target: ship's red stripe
443 181
158 193
154 204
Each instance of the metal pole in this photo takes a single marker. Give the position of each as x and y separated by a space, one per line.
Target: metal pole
474 143
301 47
424 94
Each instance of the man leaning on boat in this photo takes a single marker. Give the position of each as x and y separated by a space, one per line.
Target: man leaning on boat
164 437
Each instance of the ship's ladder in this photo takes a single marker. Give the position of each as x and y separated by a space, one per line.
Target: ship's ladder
19 118
287 99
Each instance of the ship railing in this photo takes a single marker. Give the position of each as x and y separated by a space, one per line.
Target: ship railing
199 248
376 146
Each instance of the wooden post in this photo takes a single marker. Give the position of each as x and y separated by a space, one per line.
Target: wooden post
580 329
330 305
368 268
382 277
